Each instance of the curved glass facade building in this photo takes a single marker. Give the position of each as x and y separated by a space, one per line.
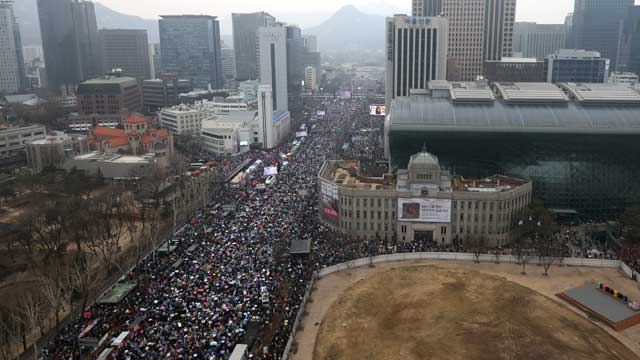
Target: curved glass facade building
580 144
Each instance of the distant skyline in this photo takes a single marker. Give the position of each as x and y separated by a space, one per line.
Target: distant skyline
314 12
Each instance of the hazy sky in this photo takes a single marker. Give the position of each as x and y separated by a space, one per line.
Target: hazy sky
311 12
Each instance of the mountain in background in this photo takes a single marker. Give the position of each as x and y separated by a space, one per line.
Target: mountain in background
350 29
27 15
111 19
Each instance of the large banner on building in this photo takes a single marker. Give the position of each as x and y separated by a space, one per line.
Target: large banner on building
329 194
424 210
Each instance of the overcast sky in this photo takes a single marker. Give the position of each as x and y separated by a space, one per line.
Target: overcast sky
312 12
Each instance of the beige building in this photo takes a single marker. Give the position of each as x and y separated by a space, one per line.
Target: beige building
479 30
310 79
420 203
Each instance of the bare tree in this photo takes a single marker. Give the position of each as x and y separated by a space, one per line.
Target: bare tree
55 290
31 310
9 332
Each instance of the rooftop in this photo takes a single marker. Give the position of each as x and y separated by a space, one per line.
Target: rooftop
602 93
574 54
531 92
109 79
471 91
525 107
496 183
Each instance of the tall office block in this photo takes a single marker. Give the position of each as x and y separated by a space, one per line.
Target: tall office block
70 42
426 7
310 43
295 48
597 26
156 57
229 67
416 53
499 17
273 105
127 50
631 41
190 47
12 75
538 40
466 38
245 32
84 18
568 29
479 30
272 51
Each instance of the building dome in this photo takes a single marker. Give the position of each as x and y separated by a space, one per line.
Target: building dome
424 158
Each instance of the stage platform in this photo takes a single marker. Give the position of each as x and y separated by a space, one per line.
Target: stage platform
604 307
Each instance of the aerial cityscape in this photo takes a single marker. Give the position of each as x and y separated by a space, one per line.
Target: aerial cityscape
422 179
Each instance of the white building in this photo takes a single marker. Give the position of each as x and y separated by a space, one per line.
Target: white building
230 133
273 128
623 78
416 53
14 139
310 78
182 119
11 60
273 107
224 107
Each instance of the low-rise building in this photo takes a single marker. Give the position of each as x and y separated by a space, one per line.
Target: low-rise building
580 66
183 119
112 166
514 70
55 150
229 133
163 92
106 101
421 203
137 138
13 139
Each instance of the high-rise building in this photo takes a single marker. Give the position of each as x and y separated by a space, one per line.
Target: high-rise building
156 58
245 32
70 42
479 30
310 43
12 75
568 29
538 40
127 50
295 68
597 26
312 59
576 66
273 102
229 67
310 78
190 47
272 45
631 41
84 19
499 17
426 7
416 53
